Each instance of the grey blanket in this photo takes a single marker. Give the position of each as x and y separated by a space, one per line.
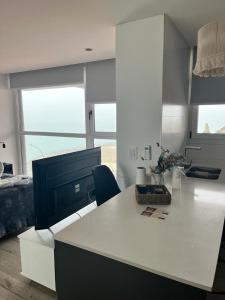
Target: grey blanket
16 208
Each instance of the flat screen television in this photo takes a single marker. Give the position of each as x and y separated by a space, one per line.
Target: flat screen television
62 184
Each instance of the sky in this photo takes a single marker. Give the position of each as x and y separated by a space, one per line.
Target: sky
54 110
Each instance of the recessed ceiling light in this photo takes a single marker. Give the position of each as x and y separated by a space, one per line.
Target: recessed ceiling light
88 49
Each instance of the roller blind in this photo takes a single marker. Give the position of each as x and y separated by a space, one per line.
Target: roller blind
207 90
101 81
99 76
65 75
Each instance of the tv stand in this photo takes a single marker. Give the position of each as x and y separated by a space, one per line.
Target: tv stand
37 250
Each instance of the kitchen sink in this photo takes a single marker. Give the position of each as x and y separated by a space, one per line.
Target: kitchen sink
204 172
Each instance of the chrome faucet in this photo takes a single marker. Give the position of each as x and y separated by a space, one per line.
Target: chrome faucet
190 147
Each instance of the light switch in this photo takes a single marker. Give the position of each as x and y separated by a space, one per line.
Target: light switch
148 152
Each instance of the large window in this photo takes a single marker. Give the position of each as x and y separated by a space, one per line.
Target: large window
209 120
55 122
54 110
105 117
108 148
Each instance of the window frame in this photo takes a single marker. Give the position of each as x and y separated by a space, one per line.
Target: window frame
194 125
23 133
104 135
100 135
90 134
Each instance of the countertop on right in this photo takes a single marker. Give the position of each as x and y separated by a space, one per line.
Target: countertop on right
183 247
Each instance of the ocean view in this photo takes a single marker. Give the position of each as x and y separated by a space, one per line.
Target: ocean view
38 147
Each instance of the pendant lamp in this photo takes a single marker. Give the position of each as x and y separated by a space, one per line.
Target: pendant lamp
211 50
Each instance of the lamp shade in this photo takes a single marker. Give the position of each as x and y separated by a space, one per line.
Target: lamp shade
211 50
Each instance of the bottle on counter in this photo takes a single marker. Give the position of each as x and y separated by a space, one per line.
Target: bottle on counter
141 176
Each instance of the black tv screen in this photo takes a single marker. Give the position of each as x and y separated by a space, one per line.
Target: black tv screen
62 184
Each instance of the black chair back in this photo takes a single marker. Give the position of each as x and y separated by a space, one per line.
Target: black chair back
106 186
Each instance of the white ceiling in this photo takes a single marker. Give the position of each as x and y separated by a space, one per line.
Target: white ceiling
45 33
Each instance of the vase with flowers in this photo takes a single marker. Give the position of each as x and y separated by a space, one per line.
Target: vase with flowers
167 161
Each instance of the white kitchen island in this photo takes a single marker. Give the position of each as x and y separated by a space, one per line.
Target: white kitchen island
37 250
163 259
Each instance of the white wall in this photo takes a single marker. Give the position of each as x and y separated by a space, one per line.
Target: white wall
152 77
175 88
8 124
139 71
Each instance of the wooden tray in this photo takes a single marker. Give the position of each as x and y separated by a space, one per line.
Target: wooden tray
152 194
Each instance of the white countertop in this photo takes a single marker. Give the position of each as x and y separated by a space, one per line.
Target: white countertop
183 247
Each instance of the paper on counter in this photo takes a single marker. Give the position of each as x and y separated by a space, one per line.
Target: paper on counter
153 212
